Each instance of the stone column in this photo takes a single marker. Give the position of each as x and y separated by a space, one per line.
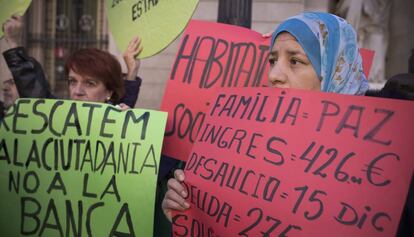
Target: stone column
370 19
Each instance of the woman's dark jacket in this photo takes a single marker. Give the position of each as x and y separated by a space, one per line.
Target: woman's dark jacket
401 87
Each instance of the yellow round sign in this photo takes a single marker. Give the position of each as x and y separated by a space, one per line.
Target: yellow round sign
157 22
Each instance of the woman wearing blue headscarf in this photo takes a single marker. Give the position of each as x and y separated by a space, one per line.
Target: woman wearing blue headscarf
316 51
312 51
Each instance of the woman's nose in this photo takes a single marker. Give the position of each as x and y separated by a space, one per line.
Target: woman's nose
6 87
78 89
277 75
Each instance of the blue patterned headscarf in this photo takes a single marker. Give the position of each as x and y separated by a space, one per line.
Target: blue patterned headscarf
331 46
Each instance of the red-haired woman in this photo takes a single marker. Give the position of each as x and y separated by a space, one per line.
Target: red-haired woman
93 74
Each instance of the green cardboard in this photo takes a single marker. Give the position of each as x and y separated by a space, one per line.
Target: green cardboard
157 22
8 8
106 188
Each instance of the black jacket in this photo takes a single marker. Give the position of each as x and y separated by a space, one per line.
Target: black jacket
401 87
28 74
1 110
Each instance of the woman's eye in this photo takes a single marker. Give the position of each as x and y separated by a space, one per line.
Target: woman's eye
71 82
90 84
272 61
294 61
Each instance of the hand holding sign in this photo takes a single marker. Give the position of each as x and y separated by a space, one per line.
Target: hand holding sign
10 8
131 57
174 199
12 29
157 22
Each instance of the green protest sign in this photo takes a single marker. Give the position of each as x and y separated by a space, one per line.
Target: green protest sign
8 8
157 22
78 169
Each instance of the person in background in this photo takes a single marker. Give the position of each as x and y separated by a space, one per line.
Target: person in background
411 62
401 87
10 93
88 79
310 51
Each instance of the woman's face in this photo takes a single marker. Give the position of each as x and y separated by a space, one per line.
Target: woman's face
10 93
289 65
85 88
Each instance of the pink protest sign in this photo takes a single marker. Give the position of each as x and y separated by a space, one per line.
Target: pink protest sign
212 56
367 58
271 162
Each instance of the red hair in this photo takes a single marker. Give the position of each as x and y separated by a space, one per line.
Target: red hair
99 65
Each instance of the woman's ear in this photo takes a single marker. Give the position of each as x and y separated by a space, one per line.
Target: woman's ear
109 96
